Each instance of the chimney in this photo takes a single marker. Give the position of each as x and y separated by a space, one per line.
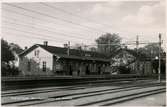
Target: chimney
68 48
45 43
65 45
25 47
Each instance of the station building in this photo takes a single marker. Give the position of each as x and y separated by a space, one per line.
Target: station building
42 59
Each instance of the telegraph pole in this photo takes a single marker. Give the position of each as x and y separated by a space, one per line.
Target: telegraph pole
137 46
68 50
109 46
85 47
159 67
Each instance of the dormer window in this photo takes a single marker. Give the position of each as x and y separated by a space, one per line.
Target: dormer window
36 53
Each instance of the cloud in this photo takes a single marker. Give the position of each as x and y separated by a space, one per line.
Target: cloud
143 17
105 8
147 15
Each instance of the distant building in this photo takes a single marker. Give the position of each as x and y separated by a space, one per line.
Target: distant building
50 60
136 64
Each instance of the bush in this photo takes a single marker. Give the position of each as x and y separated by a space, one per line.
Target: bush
9 71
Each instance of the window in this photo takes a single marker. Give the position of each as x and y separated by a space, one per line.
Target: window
36 53
29 66
44 66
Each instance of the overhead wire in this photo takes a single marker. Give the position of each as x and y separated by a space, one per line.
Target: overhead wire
55 38
54 17
53 32
72 14
30 10
37 19
35 37
76 15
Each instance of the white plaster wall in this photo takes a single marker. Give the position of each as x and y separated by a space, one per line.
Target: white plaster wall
37 63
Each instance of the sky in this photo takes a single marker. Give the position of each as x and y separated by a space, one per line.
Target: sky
28 23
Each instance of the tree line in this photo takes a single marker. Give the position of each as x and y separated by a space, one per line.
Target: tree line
151 49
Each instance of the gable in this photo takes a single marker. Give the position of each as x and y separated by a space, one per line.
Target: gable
41 53
31 51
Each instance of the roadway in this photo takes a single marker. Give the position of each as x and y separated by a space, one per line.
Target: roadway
90 94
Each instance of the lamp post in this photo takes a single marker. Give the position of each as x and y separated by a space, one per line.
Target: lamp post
159 67
159 77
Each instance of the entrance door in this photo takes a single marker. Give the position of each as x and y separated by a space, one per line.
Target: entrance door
70 67
87 70
99 70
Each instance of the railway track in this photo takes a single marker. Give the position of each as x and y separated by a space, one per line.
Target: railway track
36 84
79 85
123 98
14 83
132 90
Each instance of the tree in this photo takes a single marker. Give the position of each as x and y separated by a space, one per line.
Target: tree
108 38
151 50
6 53
15 48
7 57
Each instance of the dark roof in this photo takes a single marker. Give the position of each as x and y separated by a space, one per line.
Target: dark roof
74 53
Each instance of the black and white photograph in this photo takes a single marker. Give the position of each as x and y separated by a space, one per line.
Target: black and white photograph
83 53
